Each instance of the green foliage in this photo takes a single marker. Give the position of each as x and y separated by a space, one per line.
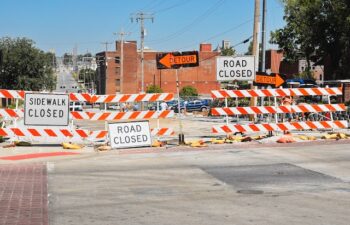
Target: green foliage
317 30
87 75
228 51
188 91
25 67
154 89
305 75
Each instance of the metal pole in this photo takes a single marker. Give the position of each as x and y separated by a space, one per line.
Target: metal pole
226 105
255 48
181 135
263 38
142 47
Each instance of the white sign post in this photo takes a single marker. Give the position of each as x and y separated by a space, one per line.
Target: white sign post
229 68
129 134
44 109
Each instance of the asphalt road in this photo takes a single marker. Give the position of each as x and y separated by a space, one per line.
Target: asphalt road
278 185
66 82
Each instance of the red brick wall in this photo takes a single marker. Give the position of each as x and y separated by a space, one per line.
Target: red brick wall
203 78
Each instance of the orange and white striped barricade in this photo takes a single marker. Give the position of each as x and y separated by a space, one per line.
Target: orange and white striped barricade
53 134
221 94
230 111
305 108
133 115
20 94
288 126
147 97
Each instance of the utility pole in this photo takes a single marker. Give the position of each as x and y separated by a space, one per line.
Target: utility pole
263 37
141 17
106 43
253 100
256 32
121 38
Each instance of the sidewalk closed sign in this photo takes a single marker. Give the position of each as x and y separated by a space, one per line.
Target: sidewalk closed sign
230 68
129 134
46 109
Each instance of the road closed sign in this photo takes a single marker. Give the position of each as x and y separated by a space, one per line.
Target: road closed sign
129 134
230 68
44 109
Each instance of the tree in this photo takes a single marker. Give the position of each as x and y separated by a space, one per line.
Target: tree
230 51
154 89
319 31
25 67
67 59
87 75
188 91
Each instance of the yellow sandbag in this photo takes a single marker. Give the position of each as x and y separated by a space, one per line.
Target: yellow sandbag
157 143
217 141
67 145
22 143
303 137
198 143
103 148
286 139
342 136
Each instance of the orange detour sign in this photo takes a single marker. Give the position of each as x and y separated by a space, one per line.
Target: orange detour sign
274 79
174 60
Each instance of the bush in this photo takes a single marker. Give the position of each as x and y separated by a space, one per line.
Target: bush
154 89
188 91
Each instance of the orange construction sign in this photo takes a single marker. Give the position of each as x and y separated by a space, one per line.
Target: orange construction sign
274 79
175 60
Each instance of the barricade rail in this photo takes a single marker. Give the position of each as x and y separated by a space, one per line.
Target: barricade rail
132 98
307 125
275 92
279 109
20 94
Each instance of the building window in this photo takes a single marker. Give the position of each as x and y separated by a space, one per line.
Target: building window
117 70
117 59
117 82
302 68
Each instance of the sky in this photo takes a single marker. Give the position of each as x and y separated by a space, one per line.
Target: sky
178 25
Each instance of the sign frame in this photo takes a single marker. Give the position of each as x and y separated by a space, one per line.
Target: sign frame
220 67
130 146
25 120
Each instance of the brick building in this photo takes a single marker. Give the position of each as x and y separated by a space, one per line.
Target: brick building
110 81
274 62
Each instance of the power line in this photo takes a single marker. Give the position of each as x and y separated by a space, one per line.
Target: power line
199 19
172 6
219 34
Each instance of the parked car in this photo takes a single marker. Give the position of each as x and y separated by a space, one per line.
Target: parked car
192 106
75 106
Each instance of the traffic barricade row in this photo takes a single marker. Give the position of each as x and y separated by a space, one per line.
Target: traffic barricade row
69 132
287 109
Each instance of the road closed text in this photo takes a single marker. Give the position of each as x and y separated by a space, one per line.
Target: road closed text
129 134
46 109
235 68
